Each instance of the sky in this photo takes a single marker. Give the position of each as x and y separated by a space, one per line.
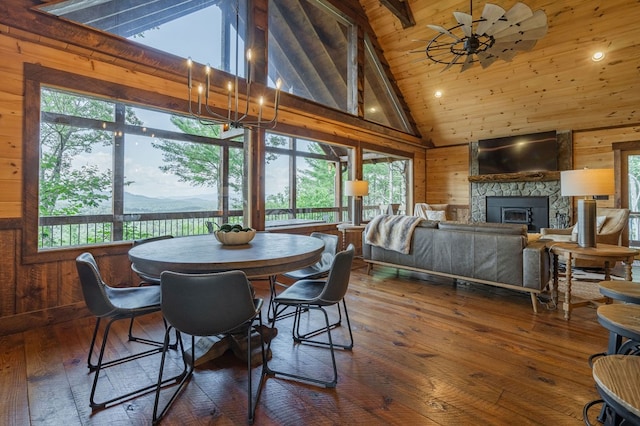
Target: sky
142 166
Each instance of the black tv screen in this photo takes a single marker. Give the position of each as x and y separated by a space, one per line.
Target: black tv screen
527 153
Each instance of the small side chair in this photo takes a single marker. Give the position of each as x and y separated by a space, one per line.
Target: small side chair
316 295
113 304
207 305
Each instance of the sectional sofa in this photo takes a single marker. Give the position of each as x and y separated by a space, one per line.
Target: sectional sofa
487 253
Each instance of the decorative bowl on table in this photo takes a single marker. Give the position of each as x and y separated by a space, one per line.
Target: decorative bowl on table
235 237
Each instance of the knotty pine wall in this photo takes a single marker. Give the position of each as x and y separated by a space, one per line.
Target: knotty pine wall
35 294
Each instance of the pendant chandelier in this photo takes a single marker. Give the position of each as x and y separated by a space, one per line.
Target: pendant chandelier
498 34
235 117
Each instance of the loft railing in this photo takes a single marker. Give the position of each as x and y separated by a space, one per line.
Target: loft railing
66 231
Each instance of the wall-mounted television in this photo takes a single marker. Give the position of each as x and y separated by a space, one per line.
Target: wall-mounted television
527 153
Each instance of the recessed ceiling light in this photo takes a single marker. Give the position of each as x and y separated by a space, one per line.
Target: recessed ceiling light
438 94
598 56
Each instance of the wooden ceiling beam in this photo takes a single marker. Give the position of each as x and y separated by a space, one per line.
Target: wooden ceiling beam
401 9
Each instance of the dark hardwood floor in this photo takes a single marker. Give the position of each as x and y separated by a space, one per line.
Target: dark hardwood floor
426 352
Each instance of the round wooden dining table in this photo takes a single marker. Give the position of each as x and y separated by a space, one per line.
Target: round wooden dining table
264 257
268 254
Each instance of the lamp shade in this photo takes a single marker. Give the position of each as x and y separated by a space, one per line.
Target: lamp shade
587 182
356 188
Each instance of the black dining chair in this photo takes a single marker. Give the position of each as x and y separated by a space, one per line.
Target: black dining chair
145 279
318 270
113 304
208 305
316 295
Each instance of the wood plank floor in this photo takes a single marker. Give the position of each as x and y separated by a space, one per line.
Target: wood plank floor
426 352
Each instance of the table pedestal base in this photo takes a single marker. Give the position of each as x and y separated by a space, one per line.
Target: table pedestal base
212 347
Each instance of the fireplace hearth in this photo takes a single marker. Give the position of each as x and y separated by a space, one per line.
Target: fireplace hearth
530 211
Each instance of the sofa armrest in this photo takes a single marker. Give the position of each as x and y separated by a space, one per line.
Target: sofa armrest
536 265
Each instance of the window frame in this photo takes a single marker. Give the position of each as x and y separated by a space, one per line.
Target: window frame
37 76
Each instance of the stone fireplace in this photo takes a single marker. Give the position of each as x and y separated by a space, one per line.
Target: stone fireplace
530 211
535 187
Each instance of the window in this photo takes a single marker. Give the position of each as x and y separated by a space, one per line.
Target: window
173 28
111 171
388 177
381 104
311 48
301 181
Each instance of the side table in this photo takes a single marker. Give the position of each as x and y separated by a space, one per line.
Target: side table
346 228
602 252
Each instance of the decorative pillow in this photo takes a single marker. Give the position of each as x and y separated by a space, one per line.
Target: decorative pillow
436 215
600 220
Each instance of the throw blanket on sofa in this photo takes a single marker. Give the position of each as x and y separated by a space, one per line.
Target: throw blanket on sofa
392 232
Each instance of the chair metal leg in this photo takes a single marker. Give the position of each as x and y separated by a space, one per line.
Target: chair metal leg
100 364
252 403
271 309
188 373
306 338
325 383
181 379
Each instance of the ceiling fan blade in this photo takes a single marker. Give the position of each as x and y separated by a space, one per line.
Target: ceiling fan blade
518 46
518 13
506 52
468 62
466 21
538 20
452 63
536 34
490 14
486 59
443 30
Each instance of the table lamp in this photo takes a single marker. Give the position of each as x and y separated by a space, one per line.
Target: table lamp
356 189
587 183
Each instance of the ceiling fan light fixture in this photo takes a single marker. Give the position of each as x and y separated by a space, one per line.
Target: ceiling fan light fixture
498 34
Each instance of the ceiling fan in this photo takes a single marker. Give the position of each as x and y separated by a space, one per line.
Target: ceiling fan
498 34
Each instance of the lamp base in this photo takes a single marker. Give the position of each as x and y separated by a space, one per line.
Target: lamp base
356 213
587 223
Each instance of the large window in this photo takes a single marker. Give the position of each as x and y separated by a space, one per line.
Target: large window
202 30
110 171
301 181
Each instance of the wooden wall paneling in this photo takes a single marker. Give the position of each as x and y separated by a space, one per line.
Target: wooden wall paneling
447 175
36 287
8 262
70 290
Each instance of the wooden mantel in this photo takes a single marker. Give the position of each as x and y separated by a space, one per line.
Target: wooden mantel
517 177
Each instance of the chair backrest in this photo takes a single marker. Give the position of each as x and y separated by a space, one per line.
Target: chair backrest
617 219
330 249
150 239
94 288
206 304
338 280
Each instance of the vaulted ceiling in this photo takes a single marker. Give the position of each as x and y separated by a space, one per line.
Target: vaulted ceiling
554 86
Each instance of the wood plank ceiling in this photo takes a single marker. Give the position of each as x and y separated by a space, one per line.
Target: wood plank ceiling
555 86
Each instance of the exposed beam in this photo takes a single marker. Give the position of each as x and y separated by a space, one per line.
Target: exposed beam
401 9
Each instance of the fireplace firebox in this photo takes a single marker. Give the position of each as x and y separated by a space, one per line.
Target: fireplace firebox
530 211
